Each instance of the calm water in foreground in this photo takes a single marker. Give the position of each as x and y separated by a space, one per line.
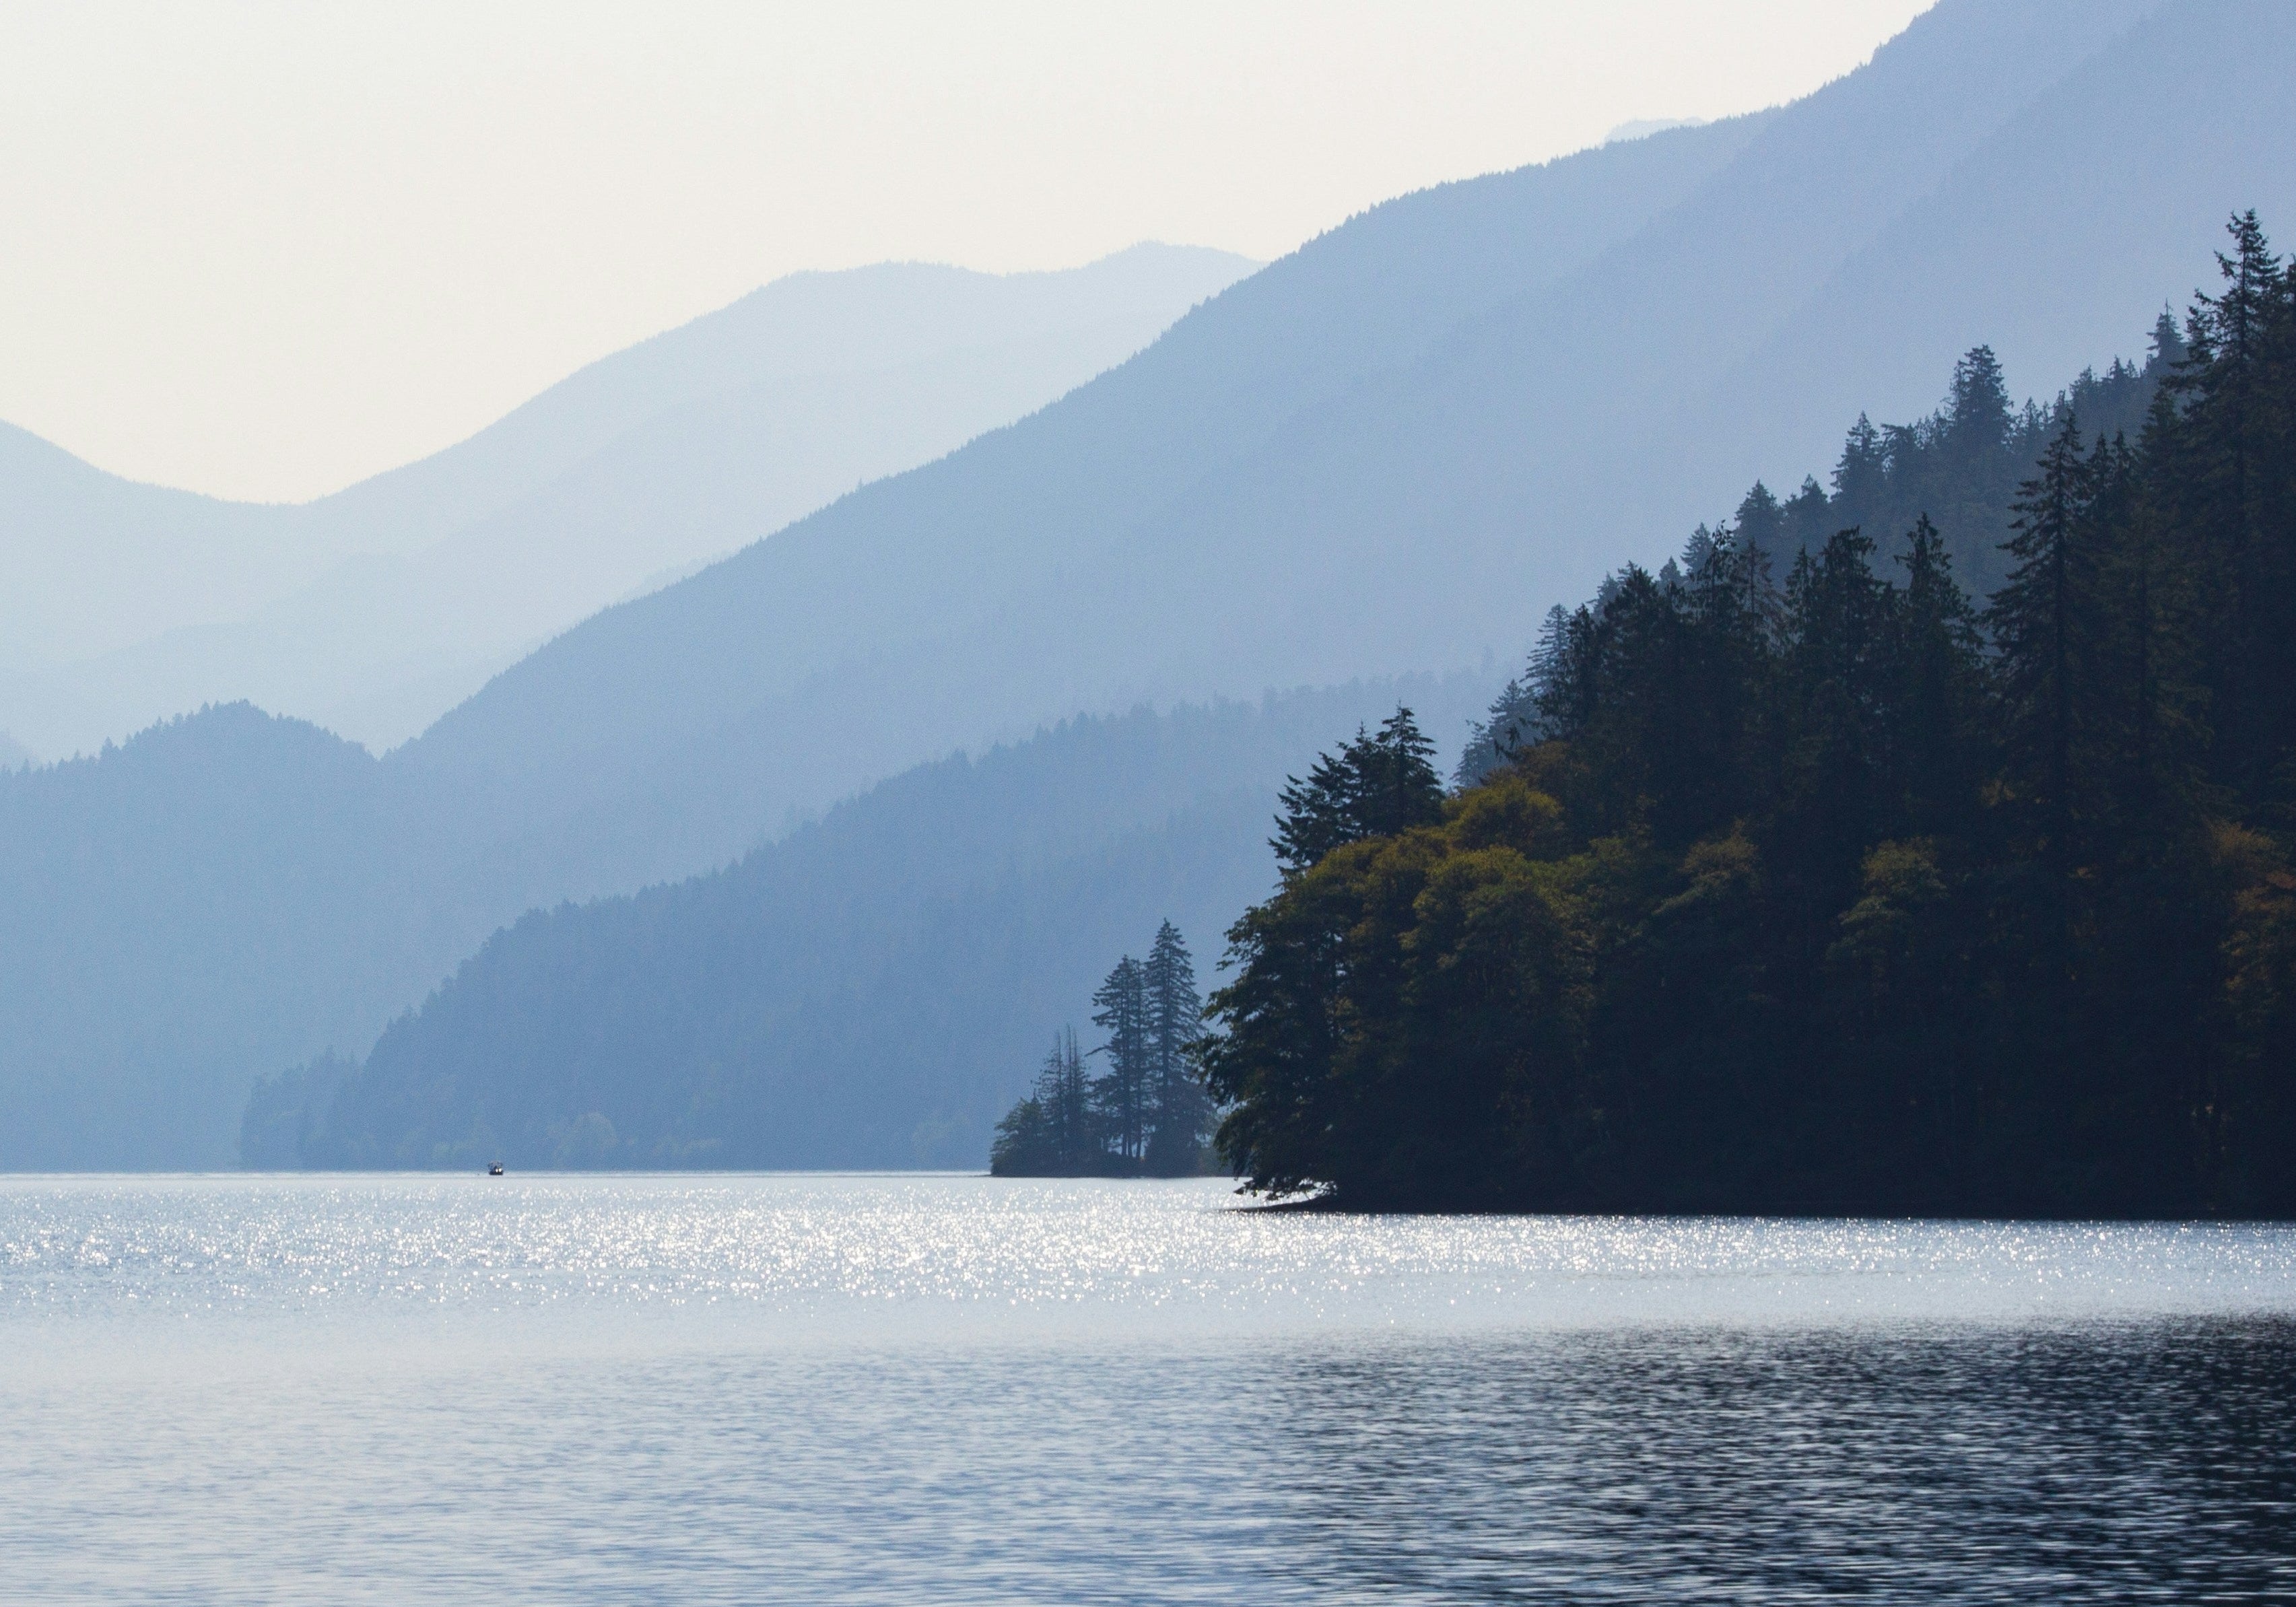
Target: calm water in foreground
928 1390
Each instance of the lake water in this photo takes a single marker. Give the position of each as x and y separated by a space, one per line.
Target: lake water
915 1389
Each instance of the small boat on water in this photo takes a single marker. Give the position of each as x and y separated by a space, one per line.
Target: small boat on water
495 1170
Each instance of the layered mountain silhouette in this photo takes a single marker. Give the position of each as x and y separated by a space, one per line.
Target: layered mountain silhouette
374 609
1395 447
1387 452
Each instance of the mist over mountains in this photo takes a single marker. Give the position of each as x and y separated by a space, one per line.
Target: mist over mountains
1385 455
376 608
1512 383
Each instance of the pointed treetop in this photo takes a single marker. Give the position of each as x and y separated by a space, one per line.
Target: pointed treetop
1978 412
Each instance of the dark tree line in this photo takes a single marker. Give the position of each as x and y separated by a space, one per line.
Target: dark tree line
1843 890
1958 469
1146 1114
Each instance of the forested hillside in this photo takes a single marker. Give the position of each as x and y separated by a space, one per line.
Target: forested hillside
220 893
1833 890
869 992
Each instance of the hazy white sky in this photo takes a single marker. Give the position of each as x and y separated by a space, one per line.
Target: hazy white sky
264 249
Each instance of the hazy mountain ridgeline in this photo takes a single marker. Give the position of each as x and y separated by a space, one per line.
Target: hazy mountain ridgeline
225 892
94 562
1485 379
2079 213
374 609
870 991
856 637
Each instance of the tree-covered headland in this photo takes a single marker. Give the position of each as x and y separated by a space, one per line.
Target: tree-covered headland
1145 1113
1808 875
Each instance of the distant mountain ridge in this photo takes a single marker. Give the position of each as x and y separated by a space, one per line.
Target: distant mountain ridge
375 609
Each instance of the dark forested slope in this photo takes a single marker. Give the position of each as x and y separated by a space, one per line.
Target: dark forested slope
868 992
1831 890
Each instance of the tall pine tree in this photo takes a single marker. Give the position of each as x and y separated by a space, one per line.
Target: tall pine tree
1381 782
2041 622
1122 1094
1179 1113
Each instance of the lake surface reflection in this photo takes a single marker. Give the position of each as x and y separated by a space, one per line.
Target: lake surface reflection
809 1388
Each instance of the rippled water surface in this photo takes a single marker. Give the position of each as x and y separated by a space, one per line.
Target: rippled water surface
927 1389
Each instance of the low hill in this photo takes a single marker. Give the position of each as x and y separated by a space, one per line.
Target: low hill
222 892
869 992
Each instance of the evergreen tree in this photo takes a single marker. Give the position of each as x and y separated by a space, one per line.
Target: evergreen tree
1051 1132
1381 782
1496 738
2169 350
1760 522
1320 812
2040 623
1275 1064
1397 783
1861 474
1076 1130
1023 1146
1565 678
1515 721
1978 412
2229 495
1124 1092
1179 1113
1939 698
1842 624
